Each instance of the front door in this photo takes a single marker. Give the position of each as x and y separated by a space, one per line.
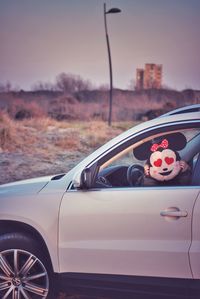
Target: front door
134 231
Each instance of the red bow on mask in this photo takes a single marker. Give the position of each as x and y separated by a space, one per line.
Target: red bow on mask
163 144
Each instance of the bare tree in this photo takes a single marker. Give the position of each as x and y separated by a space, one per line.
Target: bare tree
69 83
6 87
44 86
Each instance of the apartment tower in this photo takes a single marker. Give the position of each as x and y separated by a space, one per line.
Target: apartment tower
149 77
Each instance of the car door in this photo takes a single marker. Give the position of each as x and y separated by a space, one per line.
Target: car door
132 231
141 231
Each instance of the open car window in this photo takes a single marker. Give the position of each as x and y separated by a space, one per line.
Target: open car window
116 171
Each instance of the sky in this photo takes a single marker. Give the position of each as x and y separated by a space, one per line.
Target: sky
40 39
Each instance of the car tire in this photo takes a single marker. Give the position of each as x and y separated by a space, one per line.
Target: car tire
25 271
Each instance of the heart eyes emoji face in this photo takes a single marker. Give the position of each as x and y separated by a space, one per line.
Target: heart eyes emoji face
163 161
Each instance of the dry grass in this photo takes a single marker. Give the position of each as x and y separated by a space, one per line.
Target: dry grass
14 136
7 131
42 146
17 136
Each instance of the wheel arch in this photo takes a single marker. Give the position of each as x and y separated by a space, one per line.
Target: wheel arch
10 226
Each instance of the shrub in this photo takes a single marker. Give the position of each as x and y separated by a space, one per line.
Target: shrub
20 110
22 114
15 136
7 131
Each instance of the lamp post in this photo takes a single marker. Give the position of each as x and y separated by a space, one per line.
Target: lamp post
112 10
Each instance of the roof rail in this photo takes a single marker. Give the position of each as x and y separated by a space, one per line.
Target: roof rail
185 109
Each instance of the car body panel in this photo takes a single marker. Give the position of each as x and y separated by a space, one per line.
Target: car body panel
124 229
30 186
39 212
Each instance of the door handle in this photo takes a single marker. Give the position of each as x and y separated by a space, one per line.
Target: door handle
174 213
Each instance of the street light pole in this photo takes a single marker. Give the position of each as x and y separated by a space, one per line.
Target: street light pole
112 10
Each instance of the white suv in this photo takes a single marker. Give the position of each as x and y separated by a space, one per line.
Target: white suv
100 228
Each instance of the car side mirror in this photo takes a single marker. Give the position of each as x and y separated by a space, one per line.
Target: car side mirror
83 180
86 178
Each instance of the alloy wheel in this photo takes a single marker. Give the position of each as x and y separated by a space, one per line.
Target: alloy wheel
22 276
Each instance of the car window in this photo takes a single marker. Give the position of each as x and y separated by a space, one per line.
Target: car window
191 133
159 160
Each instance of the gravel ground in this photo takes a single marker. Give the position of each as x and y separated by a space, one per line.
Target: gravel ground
19 166
44 152
36 149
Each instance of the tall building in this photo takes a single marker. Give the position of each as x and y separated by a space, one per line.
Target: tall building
149 77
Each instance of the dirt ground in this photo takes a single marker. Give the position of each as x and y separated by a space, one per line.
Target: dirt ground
41 154
42 147
18 166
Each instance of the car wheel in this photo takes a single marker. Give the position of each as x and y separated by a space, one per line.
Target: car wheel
24 270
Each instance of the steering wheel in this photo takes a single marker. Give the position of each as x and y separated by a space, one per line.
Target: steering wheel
103 182
135 174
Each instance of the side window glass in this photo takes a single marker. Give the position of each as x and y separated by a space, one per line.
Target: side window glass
160 160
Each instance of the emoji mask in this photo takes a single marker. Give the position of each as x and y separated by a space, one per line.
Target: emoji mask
162 156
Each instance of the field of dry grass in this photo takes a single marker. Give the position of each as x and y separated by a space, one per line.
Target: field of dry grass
42 146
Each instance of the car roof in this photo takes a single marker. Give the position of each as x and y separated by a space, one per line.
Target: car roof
182 110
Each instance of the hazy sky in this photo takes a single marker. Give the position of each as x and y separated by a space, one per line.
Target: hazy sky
40 39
